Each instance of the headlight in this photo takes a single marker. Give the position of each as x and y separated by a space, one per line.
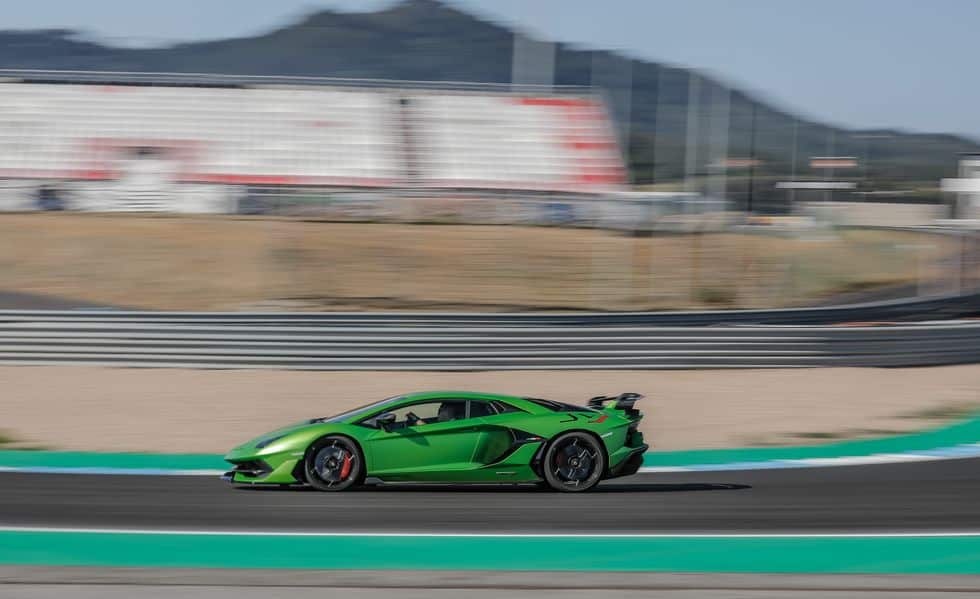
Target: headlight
266 442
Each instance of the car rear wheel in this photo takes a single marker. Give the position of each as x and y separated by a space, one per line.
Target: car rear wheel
574 462
333 464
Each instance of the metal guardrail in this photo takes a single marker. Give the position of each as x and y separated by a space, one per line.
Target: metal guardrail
898 310
389 342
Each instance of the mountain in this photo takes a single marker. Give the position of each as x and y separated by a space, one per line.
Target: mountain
431 41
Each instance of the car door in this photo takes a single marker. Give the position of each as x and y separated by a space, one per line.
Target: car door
495 437
441 439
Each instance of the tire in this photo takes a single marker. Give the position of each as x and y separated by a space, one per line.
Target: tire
574 462
334 463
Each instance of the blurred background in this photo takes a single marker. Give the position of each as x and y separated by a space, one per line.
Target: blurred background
601 177
764 215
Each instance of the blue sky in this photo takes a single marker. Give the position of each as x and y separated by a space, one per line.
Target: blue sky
863 63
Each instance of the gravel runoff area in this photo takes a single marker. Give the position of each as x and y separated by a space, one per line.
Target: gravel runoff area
209 411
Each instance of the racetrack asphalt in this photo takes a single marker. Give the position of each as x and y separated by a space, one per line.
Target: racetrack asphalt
938 496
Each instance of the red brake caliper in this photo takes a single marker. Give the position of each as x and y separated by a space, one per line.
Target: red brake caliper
345 468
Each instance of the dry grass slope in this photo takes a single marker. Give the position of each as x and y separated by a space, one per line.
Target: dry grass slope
228 263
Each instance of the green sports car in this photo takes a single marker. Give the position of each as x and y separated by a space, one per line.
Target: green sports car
451 437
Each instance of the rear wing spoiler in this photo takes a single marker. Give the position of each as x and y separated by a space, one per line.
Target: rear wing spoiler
624 401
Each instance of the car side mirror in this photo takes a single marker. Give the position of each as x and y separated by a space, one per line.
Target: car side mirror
385 420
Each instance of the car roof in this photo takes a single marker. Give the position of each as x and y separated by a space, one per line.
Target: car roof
420 395
408 398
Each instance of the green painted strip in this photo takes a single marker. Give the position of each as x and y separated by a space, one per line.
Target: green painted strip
967 431
84 459
905 555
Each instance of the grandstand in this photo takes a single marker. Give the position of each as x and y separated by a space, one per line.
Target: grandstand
515 142
114 144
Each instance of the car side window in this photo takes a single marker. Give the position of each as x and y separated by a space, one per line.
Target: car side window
479 409
421 414
505 408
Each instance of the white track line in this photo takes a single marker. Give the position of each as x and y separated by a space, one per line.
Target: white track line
705 535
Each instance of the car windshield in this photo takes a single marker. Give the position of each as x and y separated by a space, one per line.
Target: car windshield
358 411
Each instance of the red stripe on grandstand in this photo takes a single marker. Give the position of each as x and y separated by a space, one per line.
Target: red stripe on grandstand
611 177
228 179
94 174
35 173
242 179
565 102
607 175
574 184
591 145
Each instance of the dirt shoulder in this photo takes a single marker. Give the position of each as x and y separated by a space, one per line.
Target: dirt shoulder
235 263
181 411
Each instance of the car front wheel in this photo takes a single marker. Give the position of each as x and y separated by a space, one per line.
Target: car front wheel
334 463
